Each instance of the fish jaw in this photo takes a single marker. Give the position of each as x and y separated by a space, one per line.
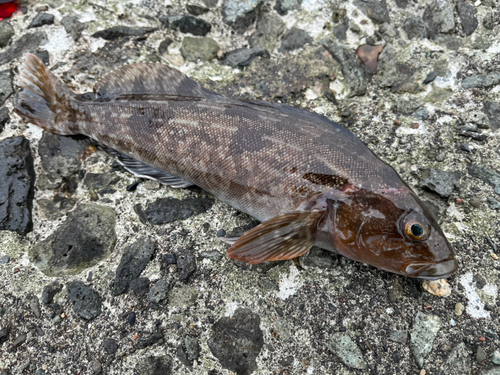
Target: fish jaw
431 271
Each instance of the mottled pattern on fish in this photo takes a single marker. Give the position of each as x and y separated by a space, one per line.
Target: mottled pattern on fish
295 170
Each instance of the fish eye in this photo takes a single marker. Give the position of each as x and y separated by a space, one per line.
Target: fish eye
415 227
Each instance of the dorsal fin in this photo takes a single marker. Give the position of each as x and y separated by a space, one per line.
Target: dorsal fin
148 79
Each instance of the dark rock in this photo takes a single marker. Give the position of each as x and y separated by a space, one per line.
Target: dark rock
19 340
166 210
399 336
438 16
192 348
283 6
402 3
415 28
43 55
204 49
163 47
340 31
26 43
348 351
4 335
139 287
467 13
186 262
493 203
244 56
239 14
374 9
196 10
16 185
49 291
421 113
353 71
237 341
116 32
42 19
294 39
131 318
488 21
486 175
430 77
6 89
85 300
388 32
158 293
188 24
57 207
6 33
492 110
61 156
481 80
4 118
161 365
267 31
4 259
135 258
73 27
149 340
35 306
86 237
407 106
99 181
182 357
110 346
169 259
440 182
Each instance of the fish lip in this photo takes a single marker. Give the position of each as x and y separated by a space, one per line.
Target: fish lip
432 271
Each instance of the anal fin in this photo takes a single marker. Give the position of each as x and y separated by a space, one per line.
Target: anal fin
283 237
142 170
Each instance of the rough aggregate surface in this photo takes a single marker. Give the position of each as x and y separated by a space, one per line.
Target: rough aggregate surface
143 285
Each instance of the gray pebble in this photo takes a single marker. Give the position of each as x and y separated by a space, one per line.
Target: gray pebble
35 307
4 259
159 292
496 357
6 33
42 19
480 355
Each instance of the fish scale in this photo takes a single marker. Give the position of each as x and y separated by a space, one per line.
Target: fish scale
308 179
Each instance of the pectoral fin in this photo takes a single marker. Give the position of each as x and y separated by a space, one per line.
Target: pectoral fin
282 237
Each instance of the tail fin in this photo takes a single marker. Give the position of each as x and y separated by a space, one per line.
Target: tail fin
45 100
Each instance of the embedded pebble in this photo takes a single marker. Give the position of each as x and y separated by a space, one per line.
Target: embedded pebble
440 288
425 329
459 308
85 300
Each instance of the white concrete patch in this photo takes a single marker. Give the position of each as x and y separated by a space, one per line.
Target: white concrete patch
96 43
403 130
231 308
289 284
475 307
87 15
58 42
35 131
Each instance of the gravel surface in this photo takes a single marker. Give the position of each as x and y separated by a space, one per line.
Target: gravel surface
103 274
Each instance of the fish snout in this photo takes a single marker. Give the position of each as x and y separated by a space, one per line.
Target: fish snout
431 271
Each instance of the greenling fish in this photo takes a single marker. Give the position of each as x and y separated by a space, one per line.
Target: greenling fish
307 179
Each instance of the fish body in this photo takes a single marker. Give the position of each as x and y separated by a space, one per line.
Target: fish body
308 179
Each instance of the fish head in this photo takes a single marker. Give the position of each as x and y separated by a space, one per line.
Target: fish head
391 229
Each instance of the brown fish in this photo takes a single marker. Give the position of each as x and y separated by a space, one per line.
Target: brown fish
308 179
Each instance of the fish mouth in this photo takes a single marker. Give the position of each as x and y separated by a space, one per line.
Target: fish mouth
431 271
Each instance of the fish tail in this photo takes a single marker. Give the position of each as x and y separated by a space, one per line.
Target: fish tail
45 101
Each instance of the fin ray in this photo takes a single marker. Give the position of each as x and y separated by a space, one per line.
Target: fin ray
148 79
283 237
143 170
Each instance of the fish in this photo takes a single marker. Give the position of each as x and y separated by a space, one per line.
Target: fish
307 179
